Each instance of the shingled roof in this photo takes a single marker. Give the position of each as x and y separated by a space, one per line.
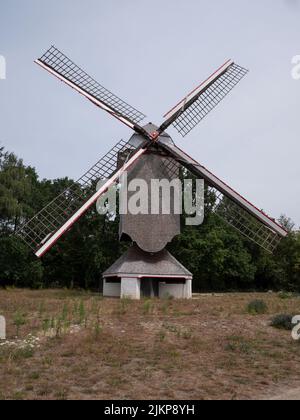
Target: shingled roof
137 263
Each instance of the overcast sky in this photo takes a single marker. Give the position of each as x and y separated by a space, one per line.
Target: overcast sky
151 53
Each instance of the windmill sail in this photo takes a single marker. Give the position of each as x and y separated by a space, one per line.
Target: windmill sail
231 206
66 70
197 104
45 228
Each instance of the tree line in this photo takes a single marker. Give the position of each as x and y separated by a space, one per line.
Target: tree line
217 255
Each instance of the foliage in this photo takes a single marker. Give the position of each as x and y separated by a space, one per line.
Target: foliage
257 307
285 295
217 255
18 267
16 189
282 322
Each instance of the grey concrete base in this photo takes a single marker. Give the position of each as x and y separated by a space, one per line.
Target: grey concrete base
111 289
142 274
176 291
131 288
189 289
2 328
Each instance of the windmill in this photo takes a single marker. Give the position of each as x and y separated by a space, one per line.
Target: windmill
147 268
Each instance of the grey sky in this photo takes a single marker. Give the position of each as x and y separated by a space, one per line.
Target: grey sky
151 53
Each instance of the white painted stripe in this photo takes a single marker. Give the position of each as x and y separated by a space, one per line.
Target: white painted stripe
87 205
198 90
141 276
87 95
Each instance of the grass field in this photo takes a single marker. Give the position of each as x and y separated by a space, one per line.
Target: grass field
75 345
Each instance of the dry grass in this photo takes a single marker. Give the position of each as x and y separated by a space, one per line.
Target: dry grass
94 348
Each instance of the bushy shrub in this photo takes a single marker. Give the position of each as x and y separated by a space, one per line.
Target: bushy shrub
285 295
282 322
257 307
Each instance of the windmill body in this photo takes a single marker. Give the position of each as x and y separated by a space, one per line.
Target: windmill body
146 268
151 232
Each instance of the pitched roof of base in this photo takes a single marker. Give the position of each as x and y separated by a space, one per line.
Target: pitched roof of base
137 263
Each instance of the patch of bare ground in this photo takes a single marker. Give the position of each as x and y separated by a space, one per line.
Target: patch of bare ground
93 348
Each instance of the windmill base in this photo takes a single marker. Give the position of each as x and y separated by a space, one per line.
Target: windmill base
134 288
138 274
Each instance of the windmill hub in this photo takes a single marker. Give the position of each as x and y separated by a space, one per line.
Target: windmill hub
147 268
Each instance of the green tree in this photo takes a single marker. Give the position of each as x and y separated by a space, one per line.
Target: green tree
217 255
16 182
18 266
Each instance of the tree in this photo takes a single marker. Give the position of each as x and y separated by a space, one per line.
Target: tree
18 267
16 184
217 255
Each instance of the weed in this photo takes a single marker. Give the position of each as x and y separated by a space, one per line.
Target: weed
174 354
165 307
168 297
82 313
19 320
179 332
257 307
161 335
17 354
147 307
75 309
285 295
41 309
240 345
47 361
187 335
171 328
65 326
58 327
18 396
123 306
61 394
116 381
97 330
34 376
68 353
52 323
65 312
44 391
95 308
46 325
